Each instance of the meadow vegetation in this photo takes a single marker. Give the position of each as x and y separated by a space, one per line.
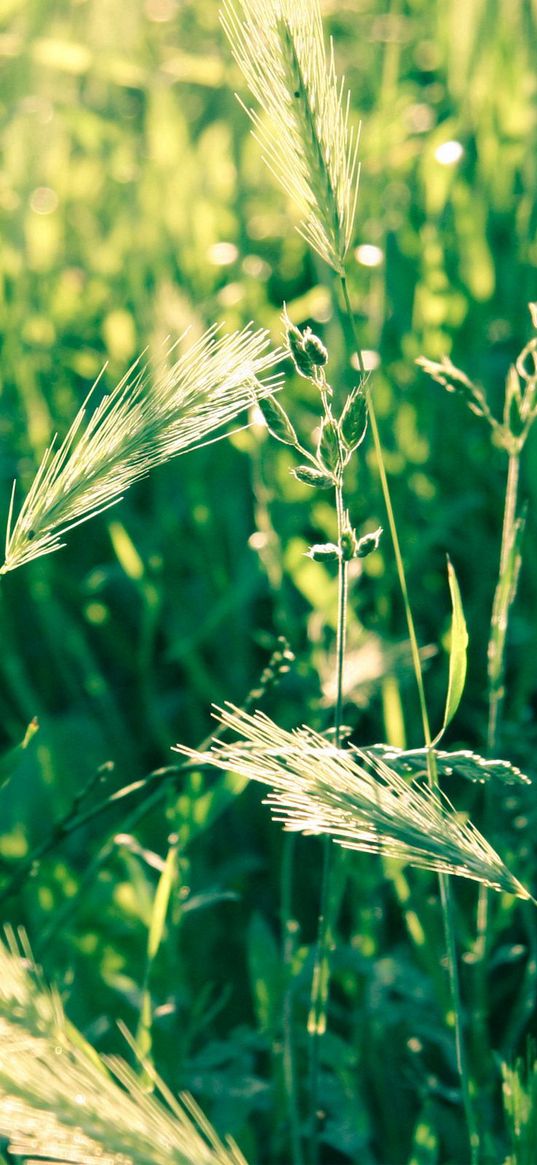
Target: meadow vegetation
322 1003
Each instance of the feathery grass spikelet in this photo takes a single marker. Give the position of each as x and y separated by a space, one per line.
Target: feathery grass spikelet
308 142
143 422
61 1103
356 800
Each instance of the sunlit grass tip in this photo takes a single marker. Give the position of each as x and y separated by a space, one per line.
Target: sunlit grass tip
152 415
307 141
59 1101
358 801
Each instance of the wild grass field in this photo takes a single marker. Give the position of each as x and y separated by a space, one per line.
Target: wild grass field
323 1005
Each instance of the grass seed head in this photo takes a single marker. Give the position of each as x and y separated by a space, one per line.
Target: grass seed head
360 802
305 135
151 416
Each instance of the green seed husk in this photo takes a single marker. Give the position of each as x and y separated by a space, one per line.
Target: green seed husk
308 475
277 421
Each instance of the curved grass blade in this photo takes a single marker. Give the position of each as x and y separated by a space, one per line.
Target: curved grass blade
457 653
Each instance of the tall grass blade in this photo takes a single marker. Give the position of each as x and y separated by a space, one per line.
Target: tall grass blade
457 653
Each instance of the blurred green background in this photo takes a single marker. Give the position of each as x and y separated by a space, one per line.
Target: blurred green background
134 204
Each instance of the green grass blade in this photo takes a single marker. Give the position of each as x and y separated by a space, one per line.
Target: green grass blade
457 653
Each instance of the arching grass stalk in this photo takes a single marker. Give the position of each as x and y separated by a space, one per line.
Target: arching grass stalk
432 772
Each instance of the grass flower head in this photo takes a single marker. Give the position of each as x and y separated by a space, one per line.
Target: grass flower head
306 138
357 800
147 419
60 1102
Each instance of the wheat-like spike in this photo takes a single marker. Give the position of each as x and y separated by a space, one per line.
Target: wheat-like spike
307 142
60 1102
356 800
147 419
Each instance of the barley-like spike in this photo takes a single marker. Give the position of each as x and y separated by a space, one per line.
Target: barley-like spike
146 420
307 141
357 800
59 1102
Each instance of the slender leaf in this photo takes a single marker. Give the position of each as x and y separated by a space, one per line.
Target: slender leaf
457 653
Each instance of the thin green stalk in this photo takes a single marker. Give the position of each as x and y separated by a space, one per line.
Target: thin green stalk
289 934
330 875
445 890
343 589
502 602
499 626
416 658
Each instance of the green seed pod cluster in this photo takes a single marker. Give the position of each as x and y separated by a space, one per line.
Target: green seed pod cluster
278 423
314 348
306 349
308 475
302 361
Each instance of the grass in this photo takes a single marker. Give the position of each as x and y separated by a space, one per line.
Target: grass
135 207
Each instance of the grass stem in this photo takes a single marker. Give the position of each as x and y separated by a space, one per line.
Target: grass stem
288 948
499 627
331 869
445 890
503 598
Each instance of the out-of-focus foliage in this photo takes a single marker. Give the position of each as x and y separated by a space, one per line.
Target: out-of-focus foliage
133 203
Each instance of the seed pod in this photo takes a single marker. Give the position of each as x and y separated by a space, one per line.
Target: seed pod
514 416
353 420
278 423
314 348
308 475
329 447
349 545
301 359
324 552
368 543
